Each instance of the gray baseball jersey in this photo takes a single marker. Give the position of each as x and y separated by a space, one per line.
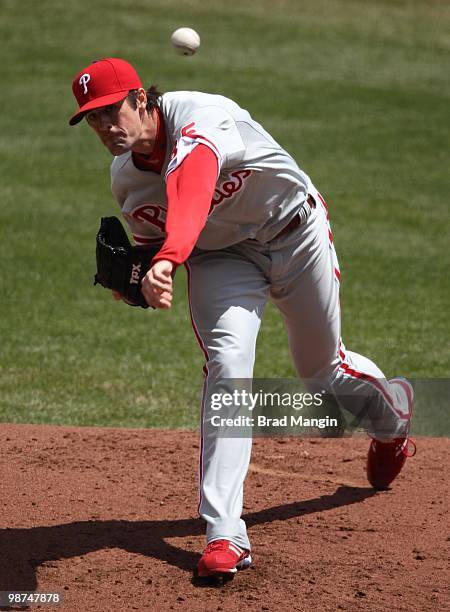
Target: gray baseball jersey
259 187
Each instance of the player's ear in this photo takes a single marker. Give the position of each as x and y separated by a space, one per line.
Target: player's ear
141 99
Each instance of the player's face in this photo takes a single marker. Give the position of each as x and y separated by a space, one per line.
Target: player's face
119 126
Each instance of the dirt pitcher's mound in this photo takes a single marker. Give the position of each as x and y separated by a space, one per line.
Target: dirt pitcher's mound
107 518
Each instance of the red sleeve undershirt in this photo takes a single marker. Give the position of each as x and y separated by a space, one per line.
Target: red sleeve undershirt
190 190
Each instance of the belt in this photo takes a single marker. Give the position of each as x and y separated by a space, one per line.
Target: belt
300 218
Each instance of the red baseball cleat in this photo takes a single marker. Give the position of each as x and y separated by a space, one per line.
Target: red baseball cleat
223 558
385 460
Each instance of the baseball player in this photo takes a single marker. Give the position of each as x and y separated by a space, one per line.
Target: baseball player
195 172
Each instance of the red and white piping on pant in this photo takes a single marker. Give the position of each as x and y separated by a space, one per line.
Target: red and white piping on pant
337 272
371 380
344 365
205 382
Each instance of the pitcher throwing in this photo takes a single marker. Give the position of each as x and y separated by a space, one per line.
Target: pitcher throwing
195 172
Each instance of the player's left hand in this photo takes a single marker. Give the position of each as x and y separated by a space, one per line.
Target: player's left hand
157 286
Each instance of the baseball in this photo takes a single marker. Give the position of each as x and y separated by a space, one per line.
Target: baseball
185 41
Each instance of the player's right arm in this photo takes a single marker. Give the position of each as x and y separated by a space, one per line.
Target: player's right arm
189 192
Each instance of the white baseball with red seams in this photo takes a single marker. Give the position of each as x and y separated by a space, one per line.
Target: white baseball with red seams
238 264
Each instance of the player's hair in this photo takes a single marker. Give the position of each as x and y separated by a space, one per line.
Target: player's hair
153 96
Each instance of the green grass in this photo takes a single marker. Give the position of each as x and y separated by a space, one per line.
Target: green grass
357 91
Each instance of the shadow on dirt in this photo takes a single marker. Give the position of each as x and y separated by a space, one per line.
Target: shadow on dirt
24 550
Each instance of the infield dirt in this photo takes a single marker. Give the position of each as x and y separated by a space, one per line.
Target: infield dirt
107 517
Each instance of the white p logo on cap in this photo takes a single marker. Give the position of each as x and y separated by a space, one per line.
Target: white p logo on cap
84 80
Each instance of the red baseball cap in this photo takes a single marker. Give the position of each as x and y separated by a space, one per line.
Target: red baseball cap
103 82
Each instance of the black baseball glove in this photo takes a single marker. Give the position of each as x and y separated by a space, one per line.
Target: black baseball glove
121 266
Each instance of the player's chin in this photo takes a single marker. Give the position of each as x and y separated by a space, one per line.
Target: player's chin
117 148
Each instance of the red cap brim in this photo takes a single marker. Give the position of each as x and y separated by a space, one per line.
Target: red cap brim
97 103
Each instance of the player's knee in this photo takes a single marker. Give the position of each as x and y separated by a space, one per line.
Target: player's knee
232 363
323 372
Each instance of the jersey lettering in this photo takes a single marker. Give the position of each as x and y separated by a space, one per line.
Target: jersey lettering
189 132
229 187
150 213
